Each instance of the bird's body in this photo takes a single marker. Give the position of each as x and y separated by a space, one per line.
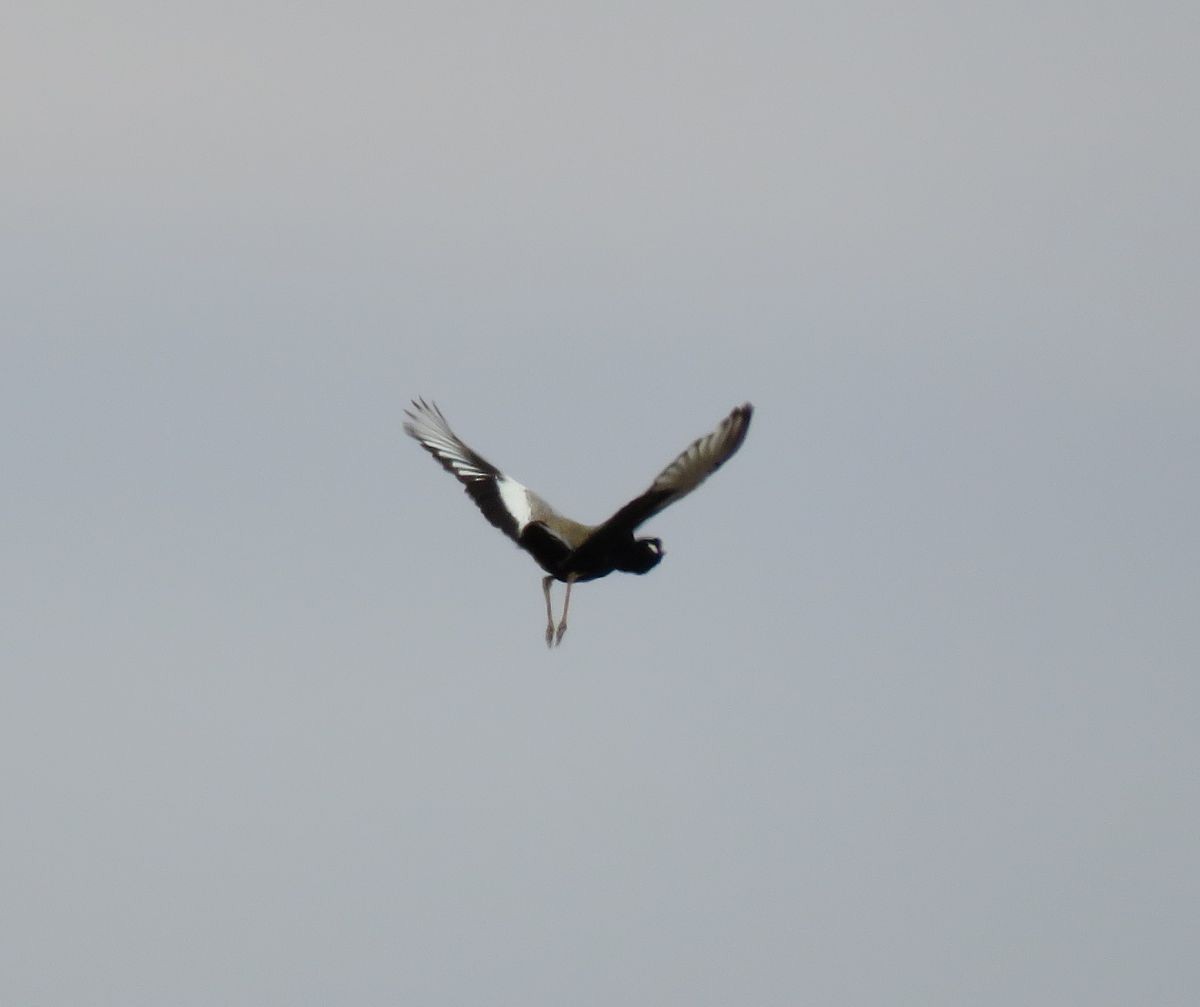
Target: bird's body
568 550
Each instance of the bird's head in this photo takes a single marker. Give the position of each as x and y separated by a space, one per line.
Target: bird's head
645 555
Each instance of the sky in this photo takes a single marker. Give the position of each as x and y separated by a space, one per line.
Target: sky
906 716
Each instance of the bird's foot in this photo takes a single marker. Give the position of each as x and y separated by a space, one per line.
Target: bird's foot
562 628
550 634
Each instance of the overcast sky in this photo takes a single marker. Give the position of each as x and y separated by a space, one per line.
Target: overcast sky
908 714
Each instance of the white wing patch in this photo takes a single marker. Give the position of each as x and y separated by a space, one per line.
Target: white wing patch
516 501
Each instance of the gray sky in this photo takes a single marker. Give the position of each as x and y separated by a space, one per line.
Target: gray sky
908 713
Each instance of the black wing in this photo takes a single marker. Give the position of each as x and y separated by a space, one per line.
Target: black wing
504 501
700 460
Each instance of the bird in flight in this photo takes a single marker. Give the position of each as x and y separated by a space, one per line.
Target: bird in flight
568 550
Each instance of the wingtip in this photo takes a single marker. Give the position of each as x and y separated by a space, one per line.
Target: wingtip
419 415
737 425
421 406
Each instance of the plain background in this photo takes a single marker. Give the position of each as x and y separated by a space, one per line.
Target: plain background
907 715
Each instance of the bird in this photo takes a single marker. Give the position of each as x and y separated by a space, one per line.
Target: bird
570 551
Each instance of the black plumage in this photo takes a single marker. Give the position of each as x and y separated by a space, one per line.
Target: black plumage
568 550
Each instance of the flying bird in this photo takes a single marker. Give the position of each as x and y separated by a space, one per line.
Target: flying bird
568 550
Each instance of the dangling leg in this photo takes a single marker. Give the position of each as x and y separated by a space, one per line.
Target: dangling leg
546 582
562 626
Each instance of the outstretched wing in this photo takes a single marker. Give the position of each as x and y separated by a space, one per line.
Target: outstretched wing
695 464
504 501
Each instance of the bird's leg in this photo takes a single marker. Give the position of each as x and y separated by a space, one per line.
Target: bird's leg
562 626
546 582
